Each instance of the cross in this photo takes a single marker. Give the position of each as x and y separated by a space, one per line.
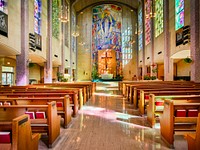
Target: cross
106 57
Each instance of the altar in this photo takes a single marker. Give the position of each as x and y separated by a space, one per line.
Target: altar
106 76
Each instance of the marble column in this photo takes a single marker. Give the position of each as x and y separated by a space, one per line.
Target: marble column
168 63
143 40
48 65
22 60
70 39
195 39
62 66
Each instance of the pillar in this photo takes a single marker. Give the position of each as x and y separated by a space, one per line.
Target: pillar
22 60
168 63
48 65
143 40
195 39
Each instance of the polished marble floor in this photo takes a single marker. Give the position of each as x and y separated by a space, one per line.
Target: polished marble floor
109 122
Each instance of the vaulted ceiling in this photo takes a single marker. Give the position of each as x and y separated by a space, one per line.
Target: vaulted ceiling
80 5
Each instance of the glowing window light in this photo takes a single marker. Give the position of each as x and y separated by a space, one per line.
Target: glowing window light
148 22
37 16
158 17
179 14
3 6
140 29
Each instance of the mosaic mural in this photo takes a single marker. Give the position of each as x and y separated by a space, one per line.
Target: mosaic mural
106 31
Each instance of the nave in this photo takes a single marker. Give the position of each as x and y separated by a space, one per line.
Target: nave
109 122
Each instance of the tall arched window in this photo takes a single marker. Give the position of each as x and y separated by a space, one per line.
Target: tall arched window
3 6
158 17
140 29
147 22
37 16
179 14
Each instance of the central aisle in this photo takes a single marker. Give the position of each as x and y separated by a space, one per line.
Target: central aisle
109 122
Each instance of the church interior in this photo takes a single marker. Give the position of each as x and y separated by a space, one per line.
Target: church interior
96 74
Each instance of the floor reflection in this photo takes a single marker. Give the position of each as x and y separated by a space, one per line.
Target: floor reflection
109 122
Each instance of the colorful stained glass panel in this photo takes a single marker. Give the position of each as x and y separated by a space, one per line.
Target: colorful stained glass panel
179 10
37 16
3 6
140 29
158 17
147 22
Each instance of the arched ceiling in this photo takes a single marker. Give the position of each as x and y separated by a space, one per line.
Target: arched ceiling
80 5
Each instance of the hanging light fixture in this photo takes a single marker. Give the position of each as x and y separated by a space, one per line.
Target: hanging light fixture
64 11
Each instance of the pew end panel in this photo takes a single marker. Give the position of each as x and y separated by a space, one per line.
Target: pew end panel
194 139
166 128
22 136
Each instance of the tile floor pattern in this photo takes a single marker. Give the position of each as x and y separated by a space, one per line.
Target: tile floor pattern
109 122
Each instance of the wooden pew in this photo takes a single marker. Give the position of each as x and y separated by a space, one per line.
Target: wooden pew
47 90
128 86
170 123
86 87
194 139
154 111
144 94
135 90
63 105
73 101
22 137
49 125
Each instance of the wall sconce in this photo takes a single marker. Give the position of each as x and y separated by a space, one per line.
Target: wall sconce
64 11
75 32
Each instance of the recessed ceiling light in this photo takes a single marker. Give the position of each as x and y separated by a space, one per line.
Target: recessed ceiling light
8 63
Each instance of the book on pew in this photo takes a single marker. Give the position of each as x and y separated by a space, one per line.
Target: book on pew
59 104
192 113
146 97
5 137
181 113
40 115
31 114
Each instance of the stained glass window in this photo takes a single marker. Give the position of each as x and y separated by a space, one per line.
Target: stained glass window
159 17
147 22
126 45
73 38
140 29
3 6
37 16
55 19
179 10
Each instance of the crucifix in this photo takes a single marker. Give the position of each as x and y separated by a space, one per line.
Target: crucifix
106 57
